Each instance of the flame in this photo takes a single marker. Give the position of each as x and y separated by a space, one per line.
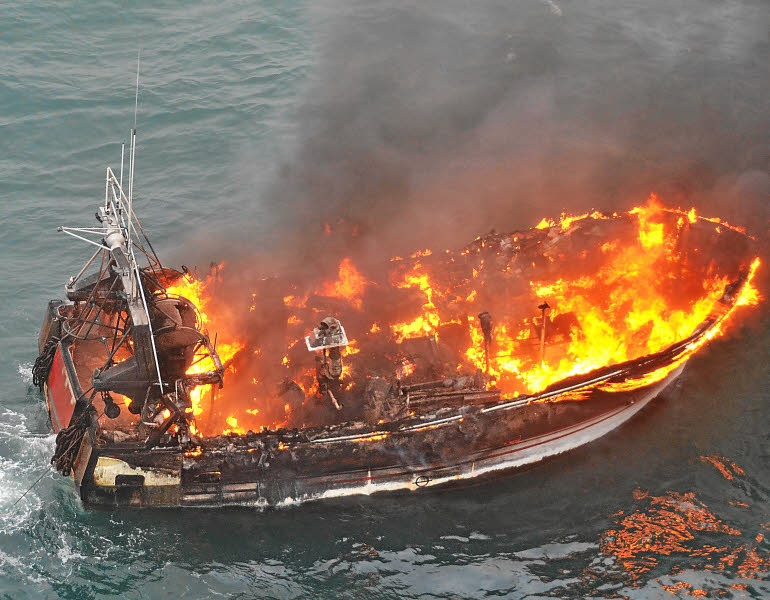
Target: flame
650 231
634 292
195 290
198 291
421 253
425 323
750 294
204 363
295 302
405 369
350 284
620 311
233 427
377 437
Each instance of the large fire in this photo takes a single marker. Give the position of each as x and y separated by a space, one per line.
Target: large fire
616 287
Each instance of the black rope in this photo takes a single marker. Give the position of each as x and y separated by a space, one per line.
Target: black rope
68 440
44 362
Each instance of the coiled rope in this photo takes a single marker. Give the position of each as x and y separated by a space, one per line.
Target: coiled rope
68 440
44 362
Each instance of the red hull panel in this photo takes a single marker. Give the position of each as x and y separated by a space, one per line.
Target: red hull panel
61 396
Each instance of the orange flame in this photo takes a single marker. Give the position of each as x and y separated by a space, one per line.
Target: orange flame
619 300
350 284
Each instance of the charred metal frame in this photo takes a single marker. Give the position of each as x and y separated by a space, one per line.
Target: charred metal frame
118 304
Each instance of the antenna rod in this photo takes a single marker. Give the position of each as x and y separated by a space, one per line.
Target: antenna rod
136 98
133 150
134 284
130 160
131 183
122 153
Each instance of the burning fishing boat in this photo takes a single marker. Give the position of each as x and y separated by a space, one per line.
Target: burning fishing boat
437 368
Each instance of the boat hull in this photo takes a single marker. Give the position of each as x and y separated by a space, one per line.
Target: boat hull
130 476
495 460
62 389
472 436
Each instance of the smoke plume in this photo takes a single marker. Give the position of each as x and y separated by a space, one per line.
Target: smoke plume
428 125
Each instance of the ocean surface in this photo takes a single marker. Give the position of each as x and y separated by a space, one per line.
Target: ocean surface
252 114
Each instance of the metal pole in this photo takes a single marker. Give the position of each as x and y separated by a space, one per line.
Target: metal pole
543 307
149 323
130 157
136 98
74 279
133 144
485 319
133 149
131 182
130 202
122 153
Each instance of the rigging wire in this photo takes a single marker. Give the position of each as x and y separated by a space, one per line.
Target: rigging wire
29 489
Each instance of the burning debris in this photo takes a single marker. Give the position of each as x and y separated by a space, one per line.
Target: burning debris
328 336
568 296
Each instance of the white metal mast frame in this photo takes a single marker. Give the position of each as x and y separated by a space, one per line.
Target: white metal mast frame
118 224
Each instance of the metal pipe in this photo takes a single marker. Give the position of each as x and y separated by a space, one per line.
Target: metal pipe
95 230
334 400
122 153
62 229
83 270
543 307
486 327
130 158
130 201
149 324
122 202
131 183
109 204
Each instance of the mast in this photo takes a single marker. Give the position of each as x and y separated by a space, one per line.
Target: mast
133 155
122 153
117 222
114 307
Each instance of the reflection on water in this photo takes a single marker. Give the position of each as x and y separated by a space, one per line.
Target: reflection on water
726 467
676 534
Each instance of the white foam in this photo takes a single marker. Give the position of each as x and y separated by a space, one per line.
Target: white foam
26 460
25 370
554 8
66 554
16 563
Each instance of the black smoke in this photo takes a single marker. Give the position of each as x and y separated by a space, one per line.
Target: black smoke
427 125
